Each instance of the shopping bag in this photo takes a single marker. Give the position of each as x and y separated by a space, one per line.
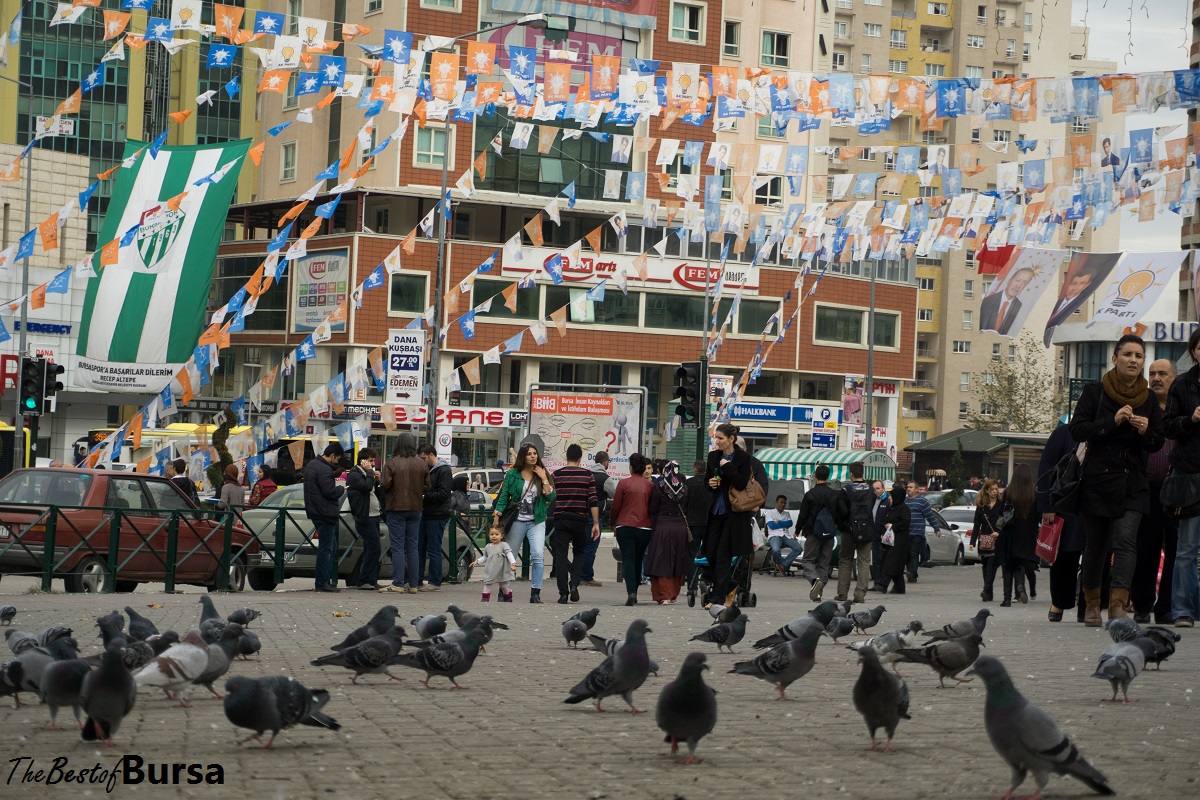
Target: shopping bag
1049 534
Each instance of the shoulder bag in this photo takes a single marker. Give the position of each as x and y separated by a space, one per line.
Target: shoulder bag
749 499
1066 487
1180 495
987 541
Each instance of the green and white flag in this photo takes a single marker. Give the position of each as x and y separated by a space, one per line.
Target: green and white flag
143 315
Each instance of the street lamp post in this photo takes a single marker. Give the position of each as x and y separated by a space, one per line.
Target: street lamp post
435 371
22 338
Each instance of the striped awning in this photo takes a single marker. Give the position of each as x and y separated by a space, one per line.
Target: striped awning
783 463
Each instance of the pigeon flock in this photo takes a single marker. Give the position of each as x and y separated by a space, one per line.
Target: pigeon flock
136 658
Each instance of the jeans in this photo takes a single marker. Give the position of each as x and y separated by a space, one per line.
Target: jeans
368 567
327 545
1119 535
404 529
429 547
536 531
587 566
917 546
1185 597
633 543
778 543
570 530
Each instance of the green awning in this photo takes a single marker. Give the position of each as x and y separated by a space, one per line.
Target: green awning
784 463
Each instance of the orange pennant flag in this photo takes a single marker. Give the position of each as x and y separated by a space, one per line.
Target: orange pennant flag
108 173
37 298
268 380
115 23
664 180
227 20
481 165
326 100
510 297
593 238
471 371
11 171
387 415
443 74
546 136
135 40
383 89
210 335
347 155
373 64
143 466
296 451
179 116
559 318
557 85
366 165
481 57
293 212
274 80
421 112
673 209
185 383
639 264
110 253
724 81
312 228
223 342
135 430
605 71
259 282
339 313
71 104
256 153
48 228
533 229
349 31
488 92
409 243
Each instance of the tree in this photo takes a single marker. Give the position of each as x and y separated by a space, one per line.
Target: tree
955 482
1018 394
216 471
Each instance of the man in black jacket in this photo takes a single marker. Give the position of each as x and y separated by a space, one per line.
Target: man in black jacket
883 504
821 529
362 484
322 506
587 566
699 501
434 516
179 477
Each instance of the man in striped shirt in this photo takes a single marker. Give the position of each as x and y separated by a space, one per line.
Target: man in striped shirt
919 512
574 502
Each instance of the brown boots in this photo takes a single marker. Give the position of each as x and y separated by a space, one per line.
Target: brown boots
1117 600
1091 614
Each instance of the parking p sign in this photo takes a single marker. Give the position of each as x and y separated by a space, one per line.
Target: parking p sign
406 366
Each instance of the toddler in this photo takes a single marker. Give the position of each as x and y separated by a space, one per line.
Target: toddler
498 564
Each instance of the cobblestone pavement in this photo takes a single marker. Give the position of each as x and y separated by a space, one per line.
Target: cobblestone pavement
510 735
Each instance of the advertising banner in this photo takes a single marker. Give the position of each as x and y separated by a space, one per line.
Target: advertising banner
594 421
405 366
320 279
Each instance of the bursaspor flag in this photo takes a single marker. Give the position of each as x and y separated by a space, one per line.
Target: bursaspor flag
143 315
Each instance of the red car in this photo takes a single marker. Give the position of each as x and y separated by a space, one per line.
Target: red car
91 504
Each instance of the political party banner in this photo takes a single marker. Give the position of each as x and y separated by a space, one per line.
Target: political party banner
1016 290
1085 274
594 421
143 314
320 279
1135 284
628 13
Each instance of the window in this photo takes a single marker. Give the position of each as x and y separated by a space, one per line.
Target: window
166 496
916 436
687 22
968 322
1025 52
964 381
1012 352
925 284
996 352
849 326
614 309
731 45
968 289
365 152
287 162
898 39
889 162
677 311
839 61
295 8
897 67
770 193
865 67
766 128
974 134
976 41
936 70
381 220
1010 48
775 49
374 6
939 9
963 410
998 73
873 2
527 300
1028 21
754 315
841 30
1080 127
1001 136
981 14
932 45
961 346
973 72
924 315
987 409
872 29
989 379
289 96
408 294
430 147
447 5
867 154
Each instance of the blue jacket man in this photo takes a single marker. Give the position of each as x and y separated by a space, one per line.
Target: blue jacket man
918 507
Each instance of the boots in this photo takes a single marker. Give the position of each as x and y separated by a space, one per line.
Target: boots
1117 600
1091 614
535 596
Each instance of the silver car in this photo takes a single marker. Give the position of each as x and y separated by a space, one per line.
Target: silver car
946 546
962 518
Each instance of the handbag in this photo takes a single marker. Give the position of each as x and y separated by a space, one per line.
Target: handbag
888 537
987 541
1049 535
749 499
1180 495
1066 487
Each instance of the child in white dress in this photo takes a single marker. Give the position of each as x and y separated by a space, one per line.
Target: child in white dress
498 564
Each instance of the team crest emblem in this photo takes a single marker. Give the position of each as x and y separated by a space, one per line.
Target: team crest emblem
158 233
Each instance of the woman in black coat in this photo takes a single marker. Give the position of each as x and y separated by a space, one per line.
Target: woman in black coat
1183 425
988 506
727 533
1016 541
1063 571
1119 419
895 556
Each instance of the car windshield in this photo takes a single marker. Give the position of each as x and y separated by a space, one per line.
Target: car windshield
959 515
45 487
278 498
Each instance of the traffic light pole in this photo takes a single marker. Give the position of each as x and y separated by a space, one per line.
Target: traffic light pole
702 415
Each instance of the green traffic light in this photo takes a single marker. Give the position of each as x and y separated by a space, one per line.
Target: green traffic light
31 403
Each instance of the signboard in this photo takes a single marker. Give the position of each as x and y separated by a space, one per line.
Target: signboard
879 439
594 421
773 412
55 126
320 280
824 441
457 416
719 386
406 366
662 273
444 438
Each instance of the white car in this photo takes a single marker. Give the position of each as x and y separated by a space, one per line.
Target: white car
962 521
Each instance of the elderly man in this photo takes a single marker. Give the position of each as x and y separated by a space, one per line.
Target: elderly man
1157 532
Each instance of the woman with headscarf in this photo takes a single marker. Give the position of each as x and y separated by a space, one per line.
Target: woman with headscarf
668 554
232 493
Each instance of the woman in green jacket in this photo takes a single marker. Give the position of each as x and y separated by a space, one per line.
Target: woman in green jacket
528 486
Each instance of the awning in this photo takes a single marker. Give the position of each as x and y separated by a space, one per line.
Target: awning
784 463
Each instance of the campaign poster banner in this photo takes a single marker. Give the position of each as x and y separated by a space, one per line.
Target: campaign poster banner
1016 290
320 279
594 421
1136 283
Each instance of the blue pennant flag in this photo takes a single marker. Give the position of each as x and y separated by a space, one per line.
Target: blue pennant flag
380 147
415 325
1141 145
200 356
569 191
397 47
554 268
643 66
144 5
128 236
467 323
161 457
325 210
5 336
157 30
375 279
237 301
157 144
308 83
25 246
164 397
692 152
330 173
1026 145
265 22
596 293
373 109
280 240
513 343
488 263
332 70
306 350
86 195
94 80
278 129
221 56
522 62
232 88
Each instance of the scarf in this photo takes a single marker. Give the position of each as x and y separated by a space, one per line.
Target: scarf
672 485
1133 396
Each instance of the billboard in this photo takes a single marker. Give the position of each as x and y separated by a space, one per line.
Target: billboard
321 280
592 420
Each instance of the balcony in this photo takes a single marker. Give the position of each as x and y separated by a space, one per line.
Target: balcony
921 386
904 14
926 352
929 48
918 413
844 5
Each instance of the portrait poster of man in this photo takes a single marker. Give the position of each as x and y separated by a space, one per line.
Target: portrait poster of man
1086 273
1016 290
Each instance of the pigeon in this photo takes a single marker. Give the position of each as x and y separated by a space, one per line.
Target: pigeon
1164 640
211 623
274 703
947 657
818 617
1121 662
622 673
881 698
839 627
724 613
7 614
429 625
61 683
1027 738
370 656
177 667
159 642
865 620
449 660
111 625
107 696
220 657
248 645
886 644
687 707
1123 629
611 646
23 673
574 630
487 625
588 617
461 618
52 634
785 662
140 628
964 627
243 616
19 641
843 609
378 625
134 655
725 634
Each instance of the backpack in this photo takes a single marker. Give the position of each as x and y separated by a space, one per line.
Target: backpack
862 523
823 524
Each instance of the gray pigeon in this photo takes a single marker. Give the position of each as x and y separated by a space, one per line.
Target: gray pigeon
622 673
248 645
588 617
1027 738
243 616
140 628
220 657
947 657
1123 629
274 703
461 618
52 634
687 707
784 663
7 614
611 646
839 627
818 617
161 641
18 641
111 623
1164 640
211 623
881 697
885 645
107 696
724 613
725 634
368 657
177 667
62 682
843 609
865 620
429 625
487 626
574 631
134 654
378 625
23 673
1121 662
447 659
964 627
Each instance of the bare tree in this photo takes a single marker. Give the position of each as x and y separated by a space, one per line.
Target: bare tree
1018 394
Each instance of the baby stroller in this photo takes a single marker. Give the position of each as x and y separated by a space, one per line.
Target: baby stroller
701 579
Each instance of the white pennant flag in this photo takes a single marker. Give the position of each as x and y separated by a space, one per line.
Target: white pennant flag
116 52
175 45
391 264
552 211
492 356
538 331
206 98
66 14
466 184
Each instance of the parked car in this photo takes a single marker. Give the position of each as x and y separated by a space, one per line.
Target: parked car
479 501
488 476
300 555
963 516
84 526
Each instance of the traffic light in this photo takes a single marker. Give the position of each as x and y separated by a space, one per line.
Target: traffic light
33 386
52 384
688 392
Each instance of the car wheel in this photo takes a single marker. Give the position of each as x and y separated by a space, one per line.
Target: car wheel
466 563
958 556
89 575
262 580
237 577
126 586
